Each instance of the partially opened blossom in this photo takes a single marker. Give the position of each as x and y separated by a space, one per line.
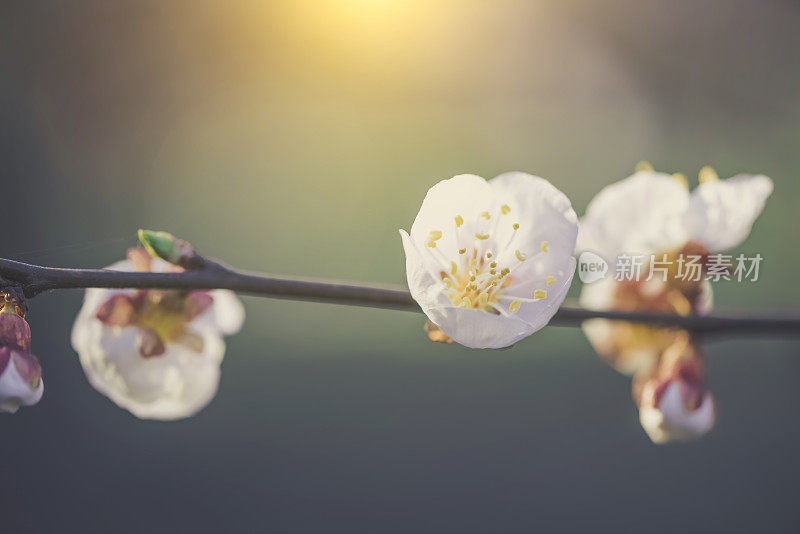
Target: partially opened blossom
674 404
653 213
490 262
156 353
20 373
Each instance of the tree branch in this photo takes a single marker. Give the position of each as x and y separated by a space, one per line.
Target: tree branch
32 280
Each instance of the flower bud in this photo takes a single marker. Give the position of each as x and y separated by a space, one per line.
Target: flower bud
171 249
20 373
674 404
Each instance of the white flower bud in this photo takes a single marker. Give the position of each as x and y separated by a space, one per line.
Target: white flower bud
20 373
675 404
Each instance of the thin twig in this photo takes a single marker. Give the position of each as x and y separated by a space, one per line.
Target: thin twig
32 280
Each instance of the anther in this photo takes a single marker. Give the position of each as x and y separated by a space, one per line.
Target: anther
516 226
707 174
431 244
504 209
514 307
486 215
539 294
545 244
520 256
453 267
680 177
482 237
459 221
462 251
551 280
435 235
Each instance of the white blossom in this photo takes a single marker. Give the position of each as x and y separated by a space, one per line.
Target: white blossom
490 262
155 353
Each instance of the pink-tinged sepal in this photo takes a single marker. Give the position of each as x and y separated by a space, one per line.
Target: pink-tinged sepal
196 303
141 260
15 332
119 310
150 343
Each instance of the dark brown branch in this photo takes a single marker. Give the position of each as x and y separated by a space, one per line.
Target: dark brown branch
34 279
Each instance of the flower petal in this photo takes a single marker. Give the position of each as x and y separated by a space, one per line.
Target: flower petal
670 420
465 196
175 385
722 212
547 231
21 381
228 311
478 329
641 214
425 286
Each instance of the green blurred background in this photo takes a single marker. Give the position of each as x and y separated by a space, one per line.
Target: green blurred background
297 137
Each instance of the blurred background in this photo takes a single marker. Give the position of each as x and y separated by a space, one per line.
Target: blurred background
297 137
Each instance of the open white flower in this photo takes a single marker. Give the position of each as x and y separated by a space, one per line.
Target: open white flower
155 353
652 212
20 373
490 262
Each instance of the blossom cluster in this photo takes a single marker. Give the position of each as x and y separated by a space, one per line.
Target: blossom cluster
488 262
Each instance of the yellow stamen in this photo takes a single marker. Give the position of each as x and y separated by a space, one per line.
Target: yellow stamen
486 215
482 237
493 264
644 166
504 209
680 177
520 256
707 174
435 235
551 280
483 299
488 254
453 267
545 244
514 307
516 226
492 271
459 221
539 294
462 251
431 244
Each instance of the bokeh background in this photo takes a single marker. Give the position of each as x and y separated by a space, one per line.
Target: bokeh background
296 137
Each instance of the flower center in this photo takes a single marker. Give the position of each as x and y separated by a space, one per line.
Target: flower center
476 278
